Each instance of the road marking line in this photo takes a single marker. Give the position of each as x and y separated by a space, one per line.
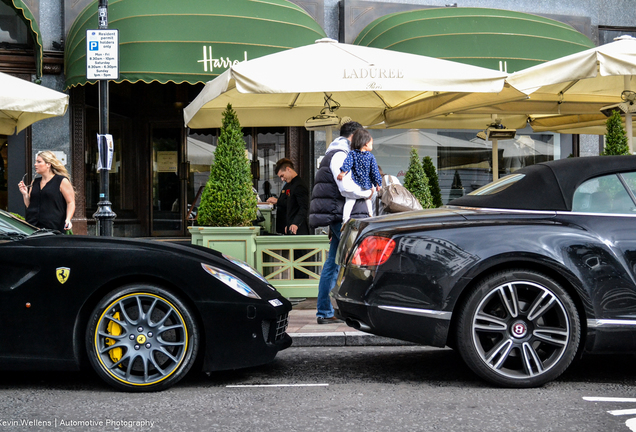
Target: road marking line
623 412
608 399
630 423
277 385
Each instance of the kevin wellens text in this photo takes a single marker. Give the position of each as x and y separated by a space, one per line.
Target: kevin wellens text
61 423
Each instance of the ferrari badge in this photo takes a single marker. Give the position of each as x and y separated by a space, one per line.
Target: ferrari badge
62 274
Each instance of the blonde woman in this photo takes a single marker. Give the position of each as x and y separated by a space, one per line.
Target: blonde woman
50 201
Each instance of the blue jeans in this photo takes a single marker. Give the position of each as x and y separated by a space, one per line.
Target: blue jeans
329 274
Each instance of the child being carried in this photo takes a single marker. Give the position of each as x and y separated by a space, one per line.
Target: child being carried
364 169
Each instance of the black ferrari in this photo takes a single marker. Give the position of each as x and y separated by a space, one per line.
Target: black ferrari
520 276
141 313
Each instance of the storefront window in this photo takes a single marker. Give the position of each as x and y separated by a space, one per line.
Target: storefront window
463 161
270 145
200 155
12 29
3 172
319 145
607 34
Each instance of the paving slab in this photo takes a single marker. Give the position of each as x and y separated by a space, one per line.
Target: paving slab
306 332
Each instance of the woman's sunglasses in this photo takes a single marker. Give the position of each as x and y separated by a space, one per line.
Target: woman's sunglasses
24 177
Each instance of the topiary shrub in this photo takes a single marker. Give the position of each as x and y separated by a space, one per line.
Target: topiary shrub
228 199
415 181
457 181
433 181
457 189
615 139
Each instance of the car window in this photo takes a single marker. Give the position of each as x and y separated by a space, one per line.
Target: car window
498 185
630 181
9 223
603 195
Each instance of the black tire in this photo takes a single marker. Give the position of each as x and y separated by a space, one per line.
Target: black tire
518 328
141 338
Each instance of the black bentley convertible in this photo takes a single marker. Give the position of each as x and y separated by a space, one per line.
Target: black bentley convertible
520 276
142 313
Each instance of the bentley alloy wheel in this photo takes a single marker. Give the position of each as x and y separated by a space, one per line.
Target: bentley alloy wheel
141 338
518 328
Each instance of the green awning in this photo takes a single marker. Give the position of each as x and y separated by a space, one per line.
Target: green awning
490 38
27 16
189 41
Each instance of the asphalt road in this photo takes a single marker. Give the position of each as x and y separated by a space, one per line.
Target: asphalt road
328 389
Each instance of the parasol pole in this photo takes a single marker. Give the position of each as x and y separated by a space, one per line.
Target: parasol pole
628 118
495 154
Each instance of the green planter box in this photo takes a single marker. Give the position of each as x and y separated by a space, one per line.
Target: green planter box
292 263
237 242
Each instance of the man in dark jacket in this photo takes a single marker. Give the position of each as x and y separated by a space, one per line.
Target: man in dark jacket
327 204
296 198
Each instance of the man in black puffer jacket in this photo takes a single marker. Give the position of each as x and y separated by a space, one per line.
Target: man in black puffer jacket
327 203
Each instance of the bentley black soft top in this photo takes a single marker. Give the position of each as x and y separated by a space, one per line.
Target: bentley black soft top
557 180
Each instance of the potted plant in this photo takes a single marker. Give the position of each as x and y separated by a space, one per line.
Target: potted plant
416 182
615 139
228 203
615 145
433 181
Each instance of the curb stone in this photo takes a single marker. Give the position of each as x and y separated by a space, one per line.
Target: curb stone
343 339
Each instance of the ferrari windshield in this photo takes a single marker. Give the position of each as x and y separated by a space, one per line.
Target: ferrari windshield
10 225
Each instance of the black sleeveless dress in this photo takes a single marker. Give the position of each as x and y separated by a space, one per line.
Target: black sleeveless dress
47 206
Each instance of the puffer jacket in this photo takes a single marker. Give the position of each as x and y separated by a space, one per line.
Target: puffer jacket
326 202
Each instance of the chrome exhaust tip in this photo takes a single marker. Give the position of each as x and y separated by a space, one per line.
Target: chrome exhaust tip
357 325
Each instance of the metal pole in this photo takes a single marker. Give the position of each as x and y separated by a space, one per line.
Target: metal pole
628 118
495 159
495 150
104 215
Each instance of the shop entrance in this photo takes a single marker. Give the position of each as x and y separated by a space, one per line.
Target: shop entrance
4 159
168 188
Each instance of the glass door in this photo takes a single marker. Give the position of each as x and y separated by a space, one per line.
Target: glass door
4 159
200 155
167 214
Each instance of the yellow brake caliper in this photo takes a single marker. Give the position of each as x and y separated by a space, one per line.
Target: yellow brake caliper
114 329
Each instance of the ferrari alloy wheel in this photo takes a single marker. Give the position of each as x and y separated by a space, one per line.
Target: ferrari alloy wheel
141 338
518 328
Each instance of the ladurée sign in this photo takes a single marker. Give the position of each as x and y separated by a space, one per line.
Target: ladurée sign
373 73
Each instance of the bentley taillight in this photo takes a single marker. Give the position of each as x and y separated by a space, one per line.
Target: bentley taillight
373 251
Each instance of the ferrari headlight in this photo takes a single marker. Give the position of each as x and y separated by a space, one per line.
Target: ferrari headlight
230 280
245 266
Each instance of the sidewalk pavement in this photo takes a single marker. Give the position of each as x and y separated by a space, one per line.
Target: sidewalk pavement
306 332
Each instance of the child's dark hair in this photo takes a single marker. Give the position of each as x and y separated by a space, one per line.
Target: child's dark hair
360 138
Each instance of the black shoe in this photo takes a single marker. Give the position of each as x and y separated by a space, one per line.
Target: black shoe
332 320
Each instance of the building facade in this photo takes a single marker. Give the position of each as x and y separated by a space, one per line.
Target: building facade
169 52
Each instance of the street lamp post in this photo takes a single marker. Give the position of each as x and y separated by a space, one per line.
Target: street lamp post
104 215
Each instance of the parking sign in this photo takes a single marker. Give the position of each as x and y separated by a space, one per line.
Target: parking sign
102 54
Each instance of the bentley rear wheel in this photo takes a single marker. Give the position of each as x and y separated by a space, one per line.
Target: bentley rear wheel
518 328
141 338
